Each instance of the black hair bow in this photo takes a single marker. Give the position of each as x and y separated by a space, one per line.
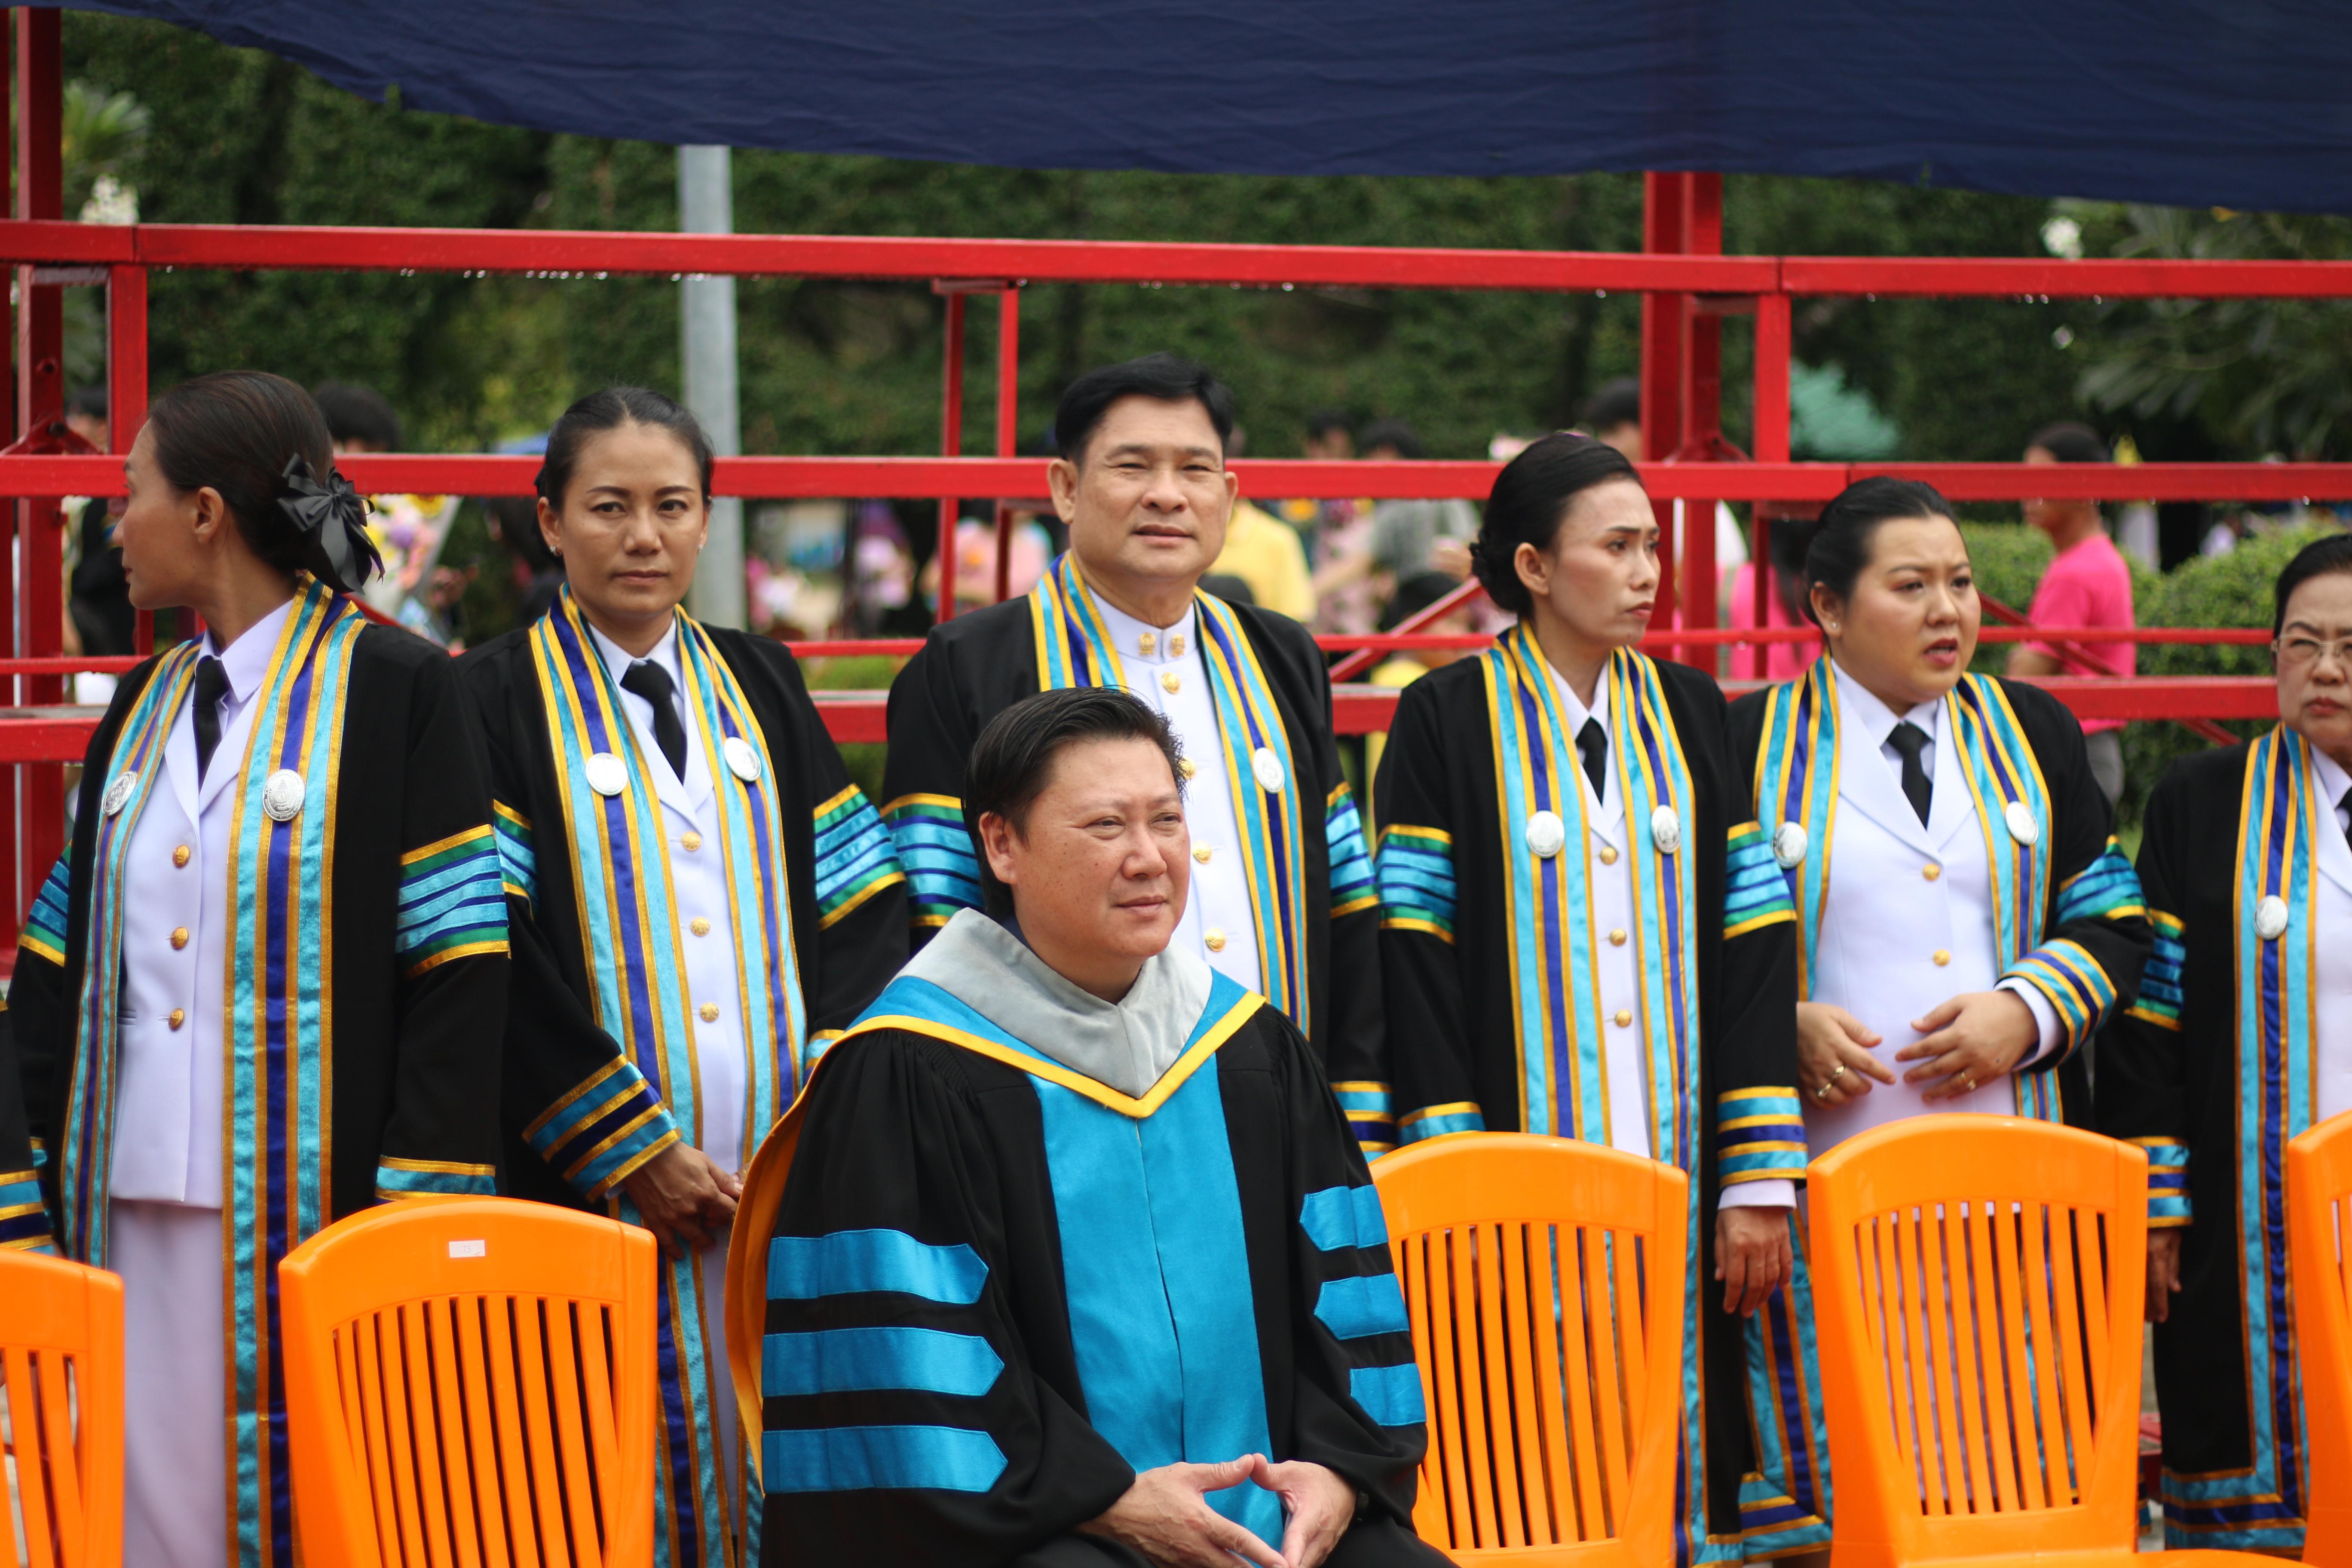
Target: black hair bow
331 520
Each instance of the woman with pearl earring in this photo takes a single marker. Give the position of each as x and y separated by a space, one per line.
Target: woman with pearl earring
1582 933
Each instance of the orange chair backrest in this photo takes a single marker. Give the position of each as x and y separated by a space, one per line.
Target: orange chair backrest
471 1382
2319 1218
1977 1285
1545 1282
61 1382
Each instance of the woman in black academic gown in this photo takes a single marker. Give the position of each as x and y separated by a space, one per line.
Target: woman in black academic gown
210 1079
1581 932
701 899
1979 922
2241 1037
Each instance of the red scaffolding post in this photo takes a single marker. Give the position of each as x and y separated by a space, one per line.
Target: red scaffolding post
35 795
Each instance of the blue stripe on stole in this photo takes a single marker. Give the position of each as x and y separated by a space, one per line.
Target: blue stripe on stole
849 1262
849 1361
877 1459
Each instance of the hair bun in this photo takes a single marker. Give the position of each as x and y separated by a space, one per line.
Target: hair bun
330 517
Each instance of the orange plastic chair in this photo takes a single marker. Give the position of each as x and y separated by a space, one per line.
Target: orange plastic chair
1544 1279
2318 1216
1978 1284
470 1381
62 1384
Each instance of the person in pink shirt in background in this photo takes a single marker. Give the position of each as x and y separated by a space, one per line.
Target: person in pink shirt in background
1791 535
2088 584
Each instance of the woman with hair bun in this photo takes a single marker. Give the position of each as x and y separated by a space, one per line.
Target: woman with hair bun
263 988
700 899
1582 933
1965 922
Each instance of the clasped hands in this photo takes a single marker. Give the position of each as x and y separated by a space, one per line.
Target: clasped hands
684 1199
1964 1043
1165 1515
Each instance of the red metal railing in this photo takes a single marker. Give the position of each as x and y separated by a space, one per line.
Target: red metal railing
1689 291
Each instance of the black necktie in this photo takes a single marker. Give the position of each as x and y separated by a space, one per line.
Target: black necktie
1910 739
2345 805
211 685
1593 746
652 682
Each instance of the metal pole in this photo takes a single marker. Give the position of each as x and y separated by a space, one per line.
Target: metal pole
706 204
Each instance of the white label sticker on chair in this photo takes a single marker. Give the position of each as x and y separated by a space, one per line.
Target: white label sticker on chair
468 1248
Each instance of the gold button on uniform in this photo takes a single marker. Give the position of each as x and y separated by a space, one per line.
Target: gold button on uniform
1147 642
1617 936
1931 871
179 1016
690 843
1171 682
1176 645
179 856
179 938
698 926
1608 855
710 1012
1201 853
1624 1016
1214 938
1943 957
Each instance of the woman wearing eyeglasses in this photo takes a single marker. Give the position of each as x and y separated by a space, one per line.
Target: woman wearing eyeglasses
2241 1037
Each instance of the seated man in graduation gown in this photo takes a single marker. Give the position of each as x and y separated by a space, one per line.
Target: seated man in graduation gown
1067 1257
1282 897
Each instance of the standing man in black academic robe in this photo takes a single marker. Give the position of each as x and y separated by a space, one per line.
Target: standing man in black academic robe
700 899
1067 1257
1282 892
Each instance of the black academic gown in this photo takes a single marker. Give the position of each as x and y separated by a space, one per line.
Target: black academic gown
1452 1005
960 1329
979 664
2173 1076
414 1075
554 1044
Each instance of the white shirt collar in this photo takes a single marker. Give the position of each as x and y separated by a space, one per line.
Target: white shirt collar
1878 721
1572 711
247 660
2331 778
1128 634
617 658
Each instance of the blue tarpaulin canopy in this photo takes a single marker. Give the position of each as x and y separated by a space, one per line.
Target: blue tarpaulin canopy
2240 103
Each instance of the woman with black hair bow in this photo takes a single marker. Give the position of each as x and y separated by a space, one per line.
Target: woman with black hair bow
1582 934
263 989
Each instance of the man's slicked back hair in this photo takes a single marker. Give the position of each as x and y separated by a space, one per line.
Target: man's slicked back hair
1164 376
1014 756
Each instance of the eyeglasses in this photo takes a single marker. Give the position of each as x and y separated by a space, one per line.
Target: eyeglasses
2303 652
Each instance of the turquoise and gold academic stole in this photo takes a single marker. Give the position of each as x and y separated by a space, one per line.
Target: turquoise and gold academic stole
621 866
628 926
277 1031
1797 784
2274 958
1563 1084
1075 649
